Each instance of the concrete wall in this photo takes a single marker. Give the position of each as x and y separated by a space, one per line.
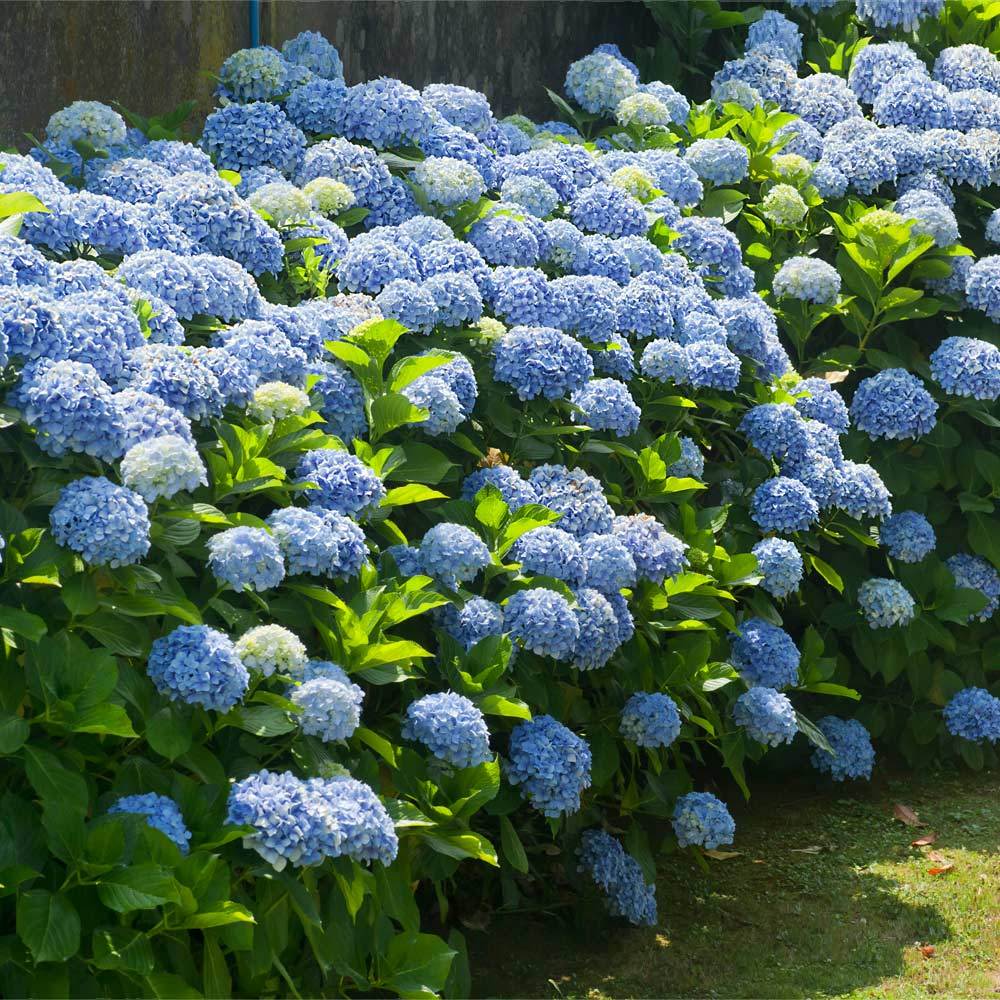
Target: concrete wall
150 54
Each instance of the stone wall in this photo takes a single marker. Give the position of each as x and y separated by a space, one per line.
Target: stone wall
153 54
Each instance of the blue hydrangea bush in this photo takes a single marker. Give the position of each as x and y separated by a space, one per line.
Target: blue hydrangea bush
408 505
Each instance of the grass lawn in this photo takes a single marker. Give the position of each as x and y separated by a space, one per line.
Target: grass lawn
827 899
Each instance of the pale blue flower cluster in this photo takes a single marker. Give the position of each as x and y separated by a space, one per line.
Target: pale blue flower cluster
658 555
270 649
550 551
305 822
721 161
514 489
650 719
162 467
599 82
885 603
860 491
823 403
907 536
783 504
318 542
246 558
906 14
453 554
776 430
618 875
107 525
473 622
764 654
607 405
160 812
200 666
702 820
853 754
609 564
550 763
598 637
974 714
767 716
343 482
691 464
965 366
541 361
808 279
329 703
893 404
450 726
975 573
780 563
543 621
239 136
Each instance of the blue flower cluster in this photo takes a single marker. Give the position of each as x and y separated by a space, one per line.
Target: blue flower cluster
893 404
907 536
618 875
329 703
107 525
305 822
198 665
780 563
343 483
885 603
974 714
551 764
650 719
767 716
975 573
700 819
765 654
450 726
160 812
853 755
246 557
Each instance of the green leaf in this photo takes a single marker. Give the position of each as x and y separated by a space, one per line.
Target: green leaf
826 571
49 925
52 781
421 463
167 986
813 733
416 965
399 496
462 845
107 720
22 622
392 410
226 913
837 690
513 849
496 704
169 733
123 948
13 732
140 887
19 202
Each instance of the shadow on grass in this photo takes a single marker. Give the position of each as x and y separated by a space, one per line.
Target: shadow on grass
827 898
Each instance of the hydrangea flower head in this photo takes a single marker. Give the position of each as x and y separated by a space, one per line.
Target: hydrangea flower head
515 490
974 714
965 366
450 726
657 554
198 665
609 564
808 279
453 554
853 754
447 182
907 536
318 542
650 719
599 83
270 649
598 639
619 877
312 50
765 654
885 603
607 405
975 573
550 551
543 621
784 206
160 812
703 820
767 716
329 702
905 14
162 467
823 403
473 622
541 361
783 504
433 394
246 557
780 563
86 121
107 525
343 482
893 404
550 763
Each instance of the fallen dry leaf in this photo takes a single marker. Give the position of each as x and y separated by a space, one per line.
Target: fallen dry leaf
834 377
941 864
722 855
815 849
927 950
906 815
925 841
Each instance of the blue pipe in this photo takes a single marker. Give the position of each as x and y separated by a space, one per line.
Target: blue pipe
253 10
